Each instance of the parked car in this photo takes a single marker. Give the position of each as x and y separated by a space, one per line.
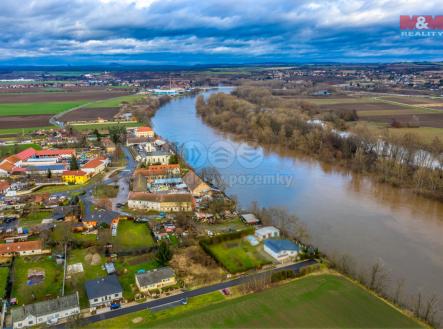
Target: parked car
115 306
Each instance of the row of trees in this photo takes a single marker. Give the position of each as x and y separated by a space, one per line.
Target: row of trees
261 117
378 279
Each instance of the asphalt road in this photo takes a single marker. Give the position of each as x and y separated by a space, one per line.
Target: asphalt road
176 299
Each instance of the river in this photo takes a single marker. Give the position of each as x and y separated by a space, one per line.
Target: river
345 213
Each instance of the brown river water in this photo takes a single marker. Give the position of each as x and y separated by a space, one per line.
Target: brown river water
345 213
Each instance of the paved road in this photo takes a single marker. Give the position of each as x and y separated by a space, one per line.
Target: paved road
175 299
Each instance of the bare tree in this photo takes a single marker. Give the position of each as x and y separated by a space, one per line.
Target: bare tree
377 277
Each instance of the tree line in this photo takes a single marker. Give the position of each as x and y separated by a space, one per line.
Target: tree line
256 115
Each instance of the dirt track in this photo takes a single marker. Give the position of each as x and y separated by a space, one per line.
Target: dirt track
426 120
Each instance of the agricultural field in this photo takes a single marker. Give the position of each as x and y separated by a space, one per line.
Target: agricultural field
115 102
89 114
414 114
21 109
47 281
104 127
317 301
34 109
238 255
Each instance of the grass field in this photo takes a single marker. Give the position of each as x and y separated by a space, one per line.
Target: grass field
318 301
4 272
115 102
132 235
12 149
91 271
34 218
16 109
238 255
50 287
19 131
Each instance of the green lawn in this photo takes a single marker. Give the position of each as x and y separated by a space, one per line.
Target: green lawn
12 149
91 271
105 191
37 108
128 266
4 272
50 287
238 255
34 218
115 102
318 301
132 235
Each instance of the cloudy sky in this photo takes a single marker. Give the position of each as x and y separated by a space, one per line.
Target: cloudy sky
211 31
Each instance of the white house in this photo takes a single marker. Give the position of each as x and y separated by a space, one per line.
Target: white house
267 232
281 250
96 166
45 312
103 292
158 157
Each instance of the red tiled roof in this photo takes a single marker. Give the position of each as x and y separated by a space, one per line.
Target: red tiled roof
4 185
6 248
74 173
55 152
94 163
26 154
144 129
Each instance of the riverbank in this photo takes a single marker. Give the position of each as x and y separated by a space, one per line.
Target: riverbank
345 213
398 162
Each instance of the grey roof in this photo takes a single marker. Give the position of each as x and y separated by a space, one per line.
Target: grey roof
154 276
100 287
45 307
250 218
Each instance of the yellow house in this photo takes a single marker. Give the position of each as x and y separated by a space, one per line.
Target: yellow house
155 279
75 177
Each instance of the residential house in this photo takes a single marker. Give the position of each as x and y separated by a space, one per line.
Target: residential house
281 250
96 166
25 248
195 184
4 186
267 232
136 140
109 145
144 132
158 157
48 311
66 213
161 201
102 292
250 219
75 177
155 279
